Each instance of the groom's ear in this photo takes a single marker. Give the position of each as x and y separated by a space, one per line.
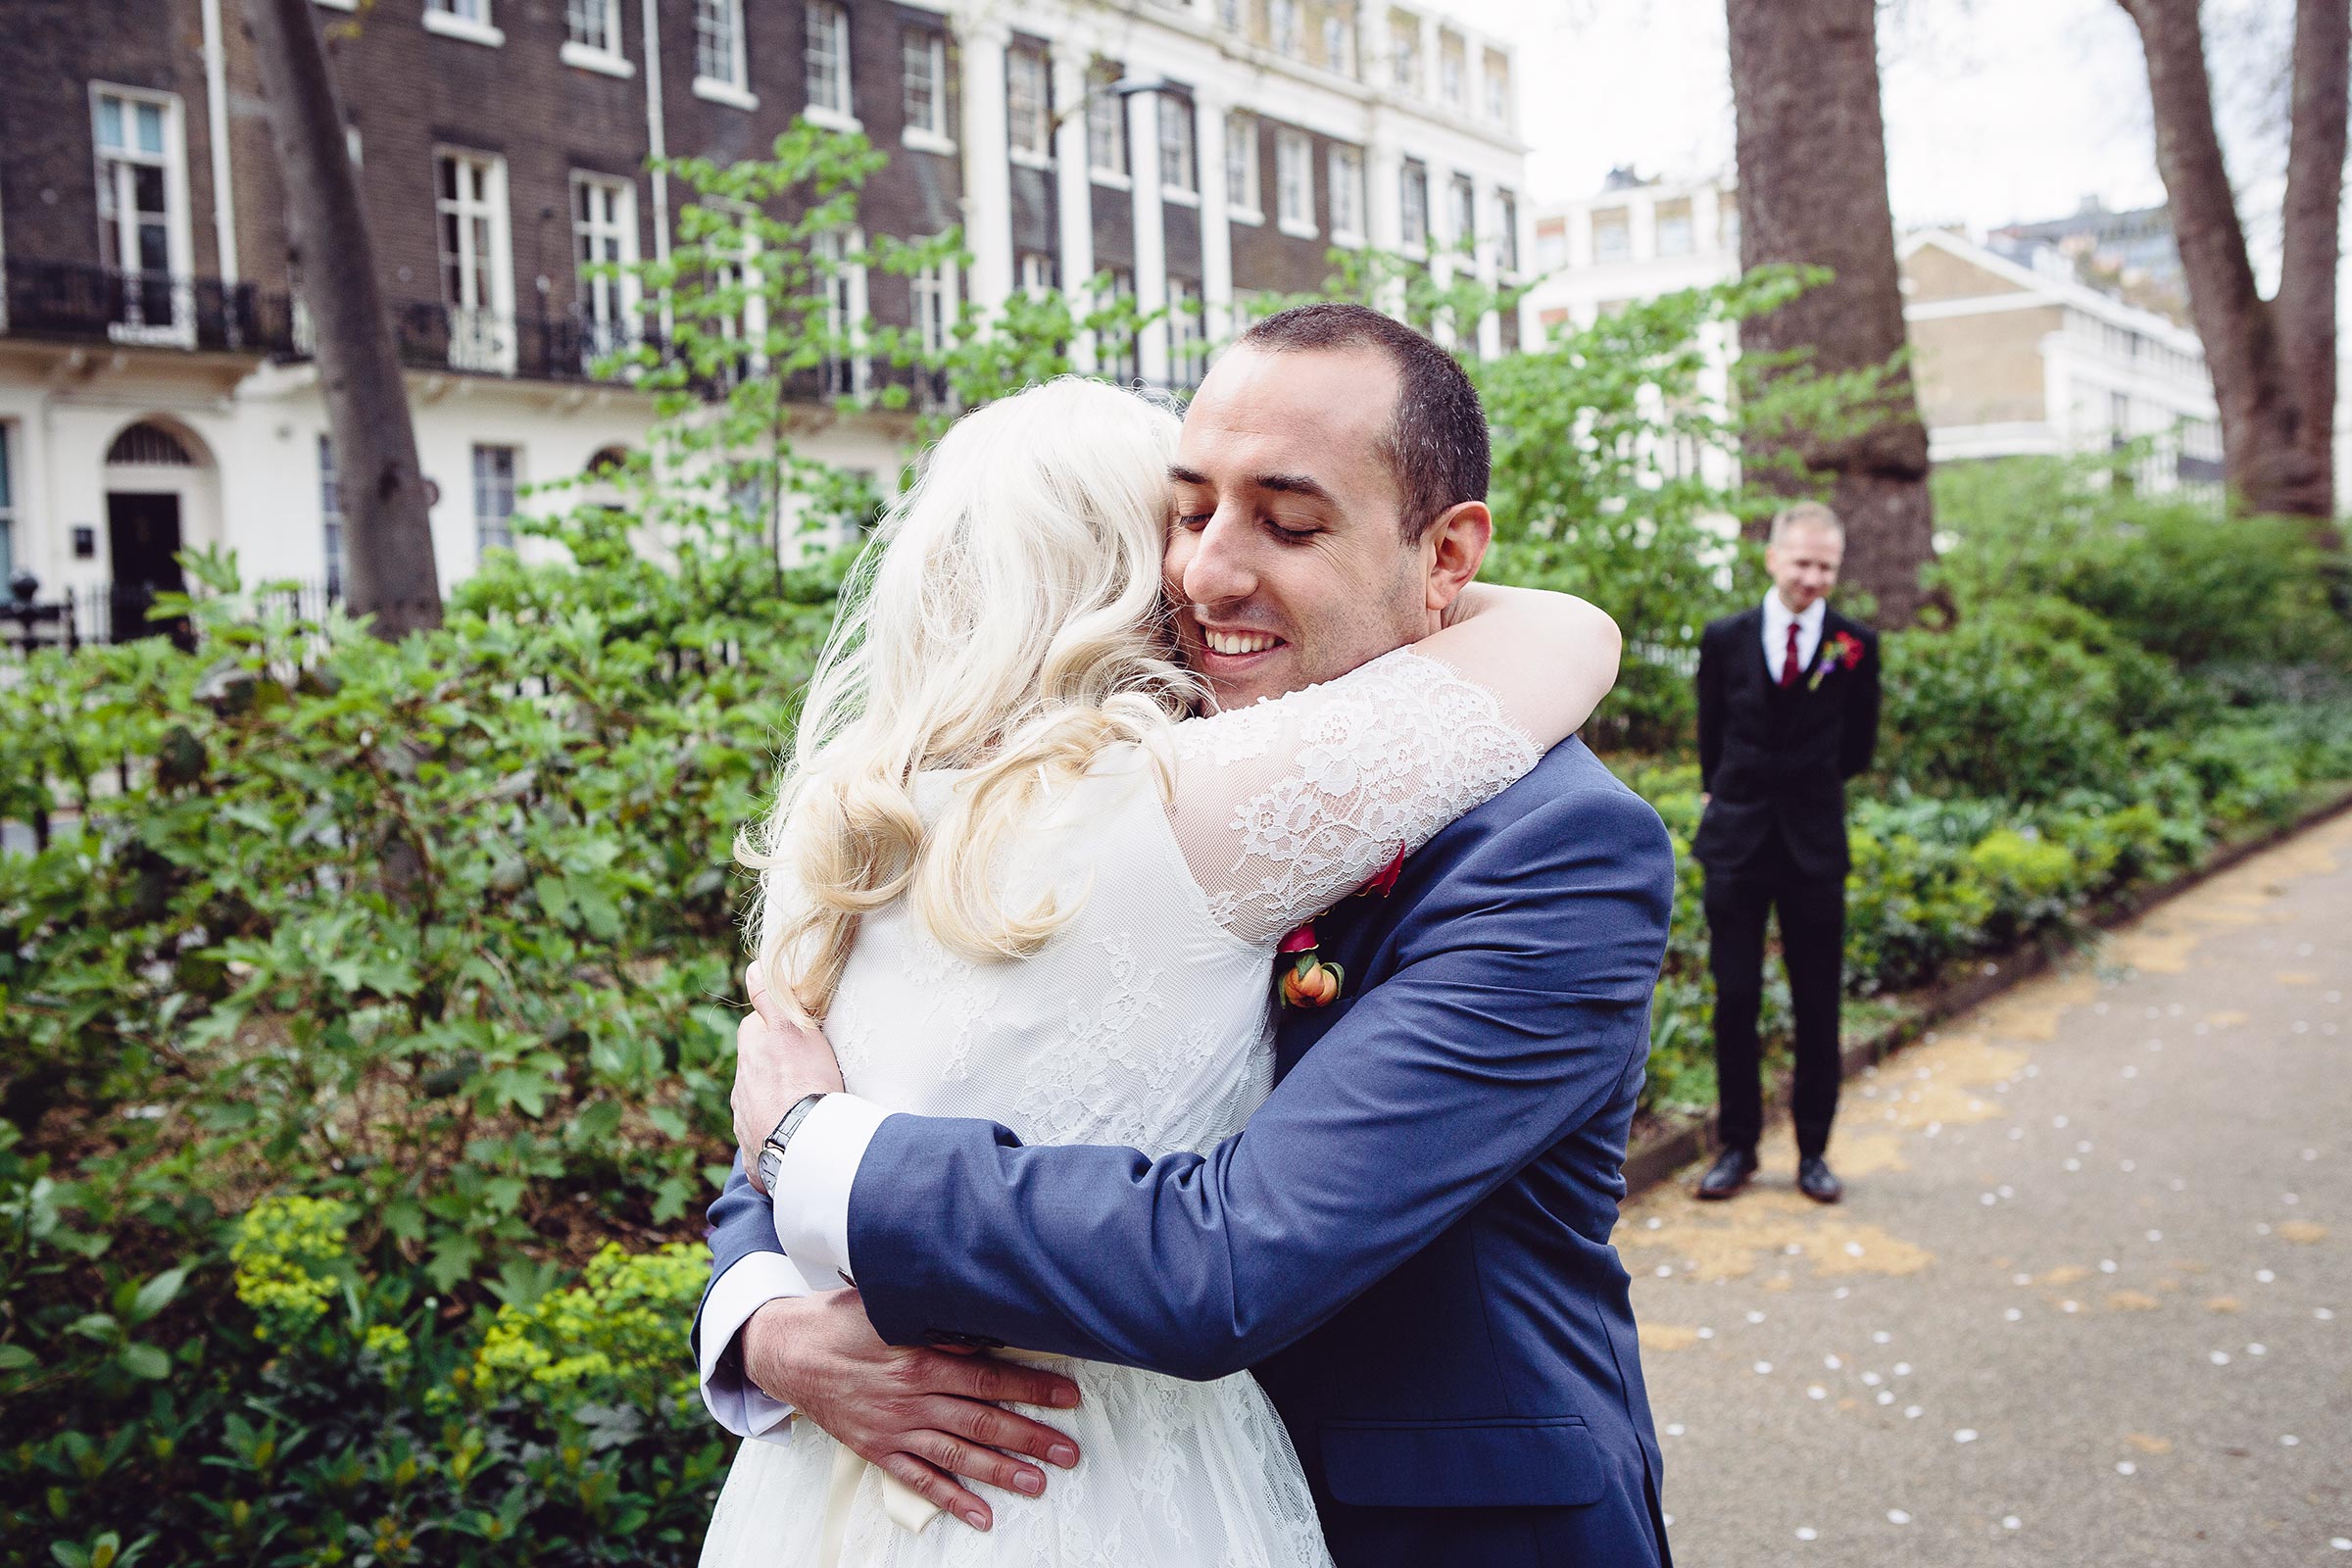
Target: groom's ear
1451 550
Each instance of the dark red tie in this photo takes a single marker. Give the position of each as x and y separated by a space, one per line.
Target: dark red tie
1789 669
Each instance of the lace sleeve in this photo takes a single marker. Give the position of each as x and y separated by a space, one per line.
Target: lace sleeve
1284 808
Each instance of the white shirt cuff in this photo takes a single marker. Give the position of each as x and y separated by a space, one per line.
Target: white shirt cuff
733 1400
812 1185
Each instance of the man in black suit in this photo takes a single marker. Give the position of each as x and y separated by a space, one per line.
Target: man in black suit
1788 711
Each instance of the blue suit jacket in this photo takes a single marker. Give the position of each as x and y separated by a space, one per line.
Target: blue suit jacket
1409 1243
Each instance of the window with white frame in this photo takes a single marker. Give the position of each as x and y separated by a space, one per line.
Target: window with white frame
740 272
493 498
8 507
1229 15
931 295
476 269
1106 124
1188 333
603 245
1028 105
142 208
1294 182
923 68
1404 51
1452 71
1339 45
1551 244
1412 204
331 514
1726 220
828 62
1463 202
1118 360
1241 166
1507 231
1613 235
839 279
719 58
592 24
1347 178
1284 15
1498 87
1176 175
1036 269
476 12
1673 228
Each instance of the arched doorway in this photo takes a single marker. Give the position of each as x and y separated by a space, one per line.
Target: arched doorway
159 501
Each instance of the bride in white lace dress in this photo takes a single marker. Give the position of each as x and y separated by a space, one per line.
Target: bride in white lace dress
1015 882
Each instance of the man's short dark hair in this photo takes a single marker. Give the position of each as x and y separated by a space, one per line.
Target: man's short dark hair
1437 441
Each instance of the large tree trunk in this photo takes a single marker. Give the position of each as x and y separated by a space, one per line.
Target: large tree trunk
1812 151
2273 362
388 540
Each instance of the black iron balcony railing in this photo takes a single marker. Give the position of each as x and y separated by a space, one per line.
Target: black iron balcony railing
74 301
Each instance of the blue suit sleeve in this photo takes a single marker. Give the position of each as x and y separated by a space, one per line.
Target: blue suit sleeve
742 1222
1511 1019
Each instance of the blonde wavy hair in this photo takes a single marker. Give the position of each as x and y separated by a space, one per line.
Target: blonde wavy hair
1006 622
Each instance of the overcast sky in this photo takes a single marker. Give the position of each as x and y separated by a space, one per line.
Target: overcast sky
1996 110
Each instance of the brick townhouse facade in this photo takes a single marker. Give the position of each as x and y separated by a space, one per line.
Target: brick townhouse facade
155 393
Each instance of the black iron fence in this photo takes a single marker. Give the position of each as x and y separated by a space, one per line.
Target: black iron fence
73 302
119 611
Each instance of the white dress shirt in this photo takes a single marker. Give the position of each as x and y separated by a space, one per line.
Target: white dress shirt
1778 617
812 1225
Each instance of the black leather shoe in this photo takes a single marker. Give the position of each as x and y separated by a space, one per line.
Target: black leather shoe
1814 1180
1729 1172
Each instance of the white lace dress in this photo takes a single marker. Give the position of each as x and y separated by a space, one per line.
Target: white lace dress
1146 1021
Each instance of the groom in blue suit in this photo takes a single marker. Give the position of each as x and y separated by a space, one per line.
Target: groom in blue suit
1409 1243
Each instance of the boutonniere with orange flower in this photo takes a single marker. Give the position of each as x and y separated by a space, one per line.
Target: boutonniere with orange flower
1842 651
1305 980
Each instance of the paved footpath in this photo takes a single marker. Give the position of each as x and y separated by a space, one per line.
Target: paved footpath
2089 1302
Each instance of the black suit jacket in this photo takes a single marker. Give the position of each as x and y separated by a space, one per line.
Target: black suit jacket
1778 757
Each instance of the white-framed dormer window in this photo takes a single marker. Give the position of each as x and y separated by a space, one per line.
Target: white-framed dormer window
1178 179
603 235
1028 106
1294 184
1339 45
723 70
1347 178
1413 204
463 19
476 257
143 211
1105 127
1498 87
1452 71
1284 17
592 37
923 72
1241 168
829 98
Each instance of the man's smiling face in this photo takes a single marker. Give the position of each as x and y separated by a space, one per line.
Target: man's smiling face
1286 560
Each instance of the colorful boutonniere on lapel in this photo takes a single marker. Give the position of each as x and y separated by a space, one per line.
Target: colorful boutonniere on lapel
1842 651
1305 980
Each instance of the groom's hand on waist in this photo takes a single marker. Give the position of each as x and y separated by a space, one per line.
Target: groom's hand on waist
924 1416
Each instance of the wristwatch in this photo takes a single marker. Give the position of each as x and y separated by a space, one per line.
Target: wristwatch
772 1149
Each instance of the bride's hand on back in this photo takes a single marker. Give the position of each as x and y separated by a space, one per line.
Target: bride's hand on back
777 1062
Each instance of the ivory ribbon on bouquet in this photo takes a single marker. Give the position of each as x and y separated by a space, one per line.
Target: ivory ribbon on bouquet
902 1504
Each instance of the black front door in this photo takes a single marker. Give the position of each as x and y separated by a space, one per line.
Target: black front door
142 536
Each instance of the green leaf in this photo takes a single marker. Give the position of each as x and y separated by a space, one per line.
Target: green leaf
146 1361
554 897
454 1257
16 1358
157 1293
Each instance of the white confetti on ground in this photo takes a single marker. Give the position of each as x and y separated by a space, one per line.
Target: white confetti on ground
1674 1429
2012 1522
2258 1349
2219 1358
1965 1435
2288 1439
2014 1316
1755 1317
1763 1367
1814 1391
2125 1467
1912 1412
1897 1516
1807 1533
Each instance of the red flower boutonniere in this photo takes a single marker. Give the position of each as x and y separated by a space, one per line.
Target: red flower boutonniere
1305 980
1387 876
1842 651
